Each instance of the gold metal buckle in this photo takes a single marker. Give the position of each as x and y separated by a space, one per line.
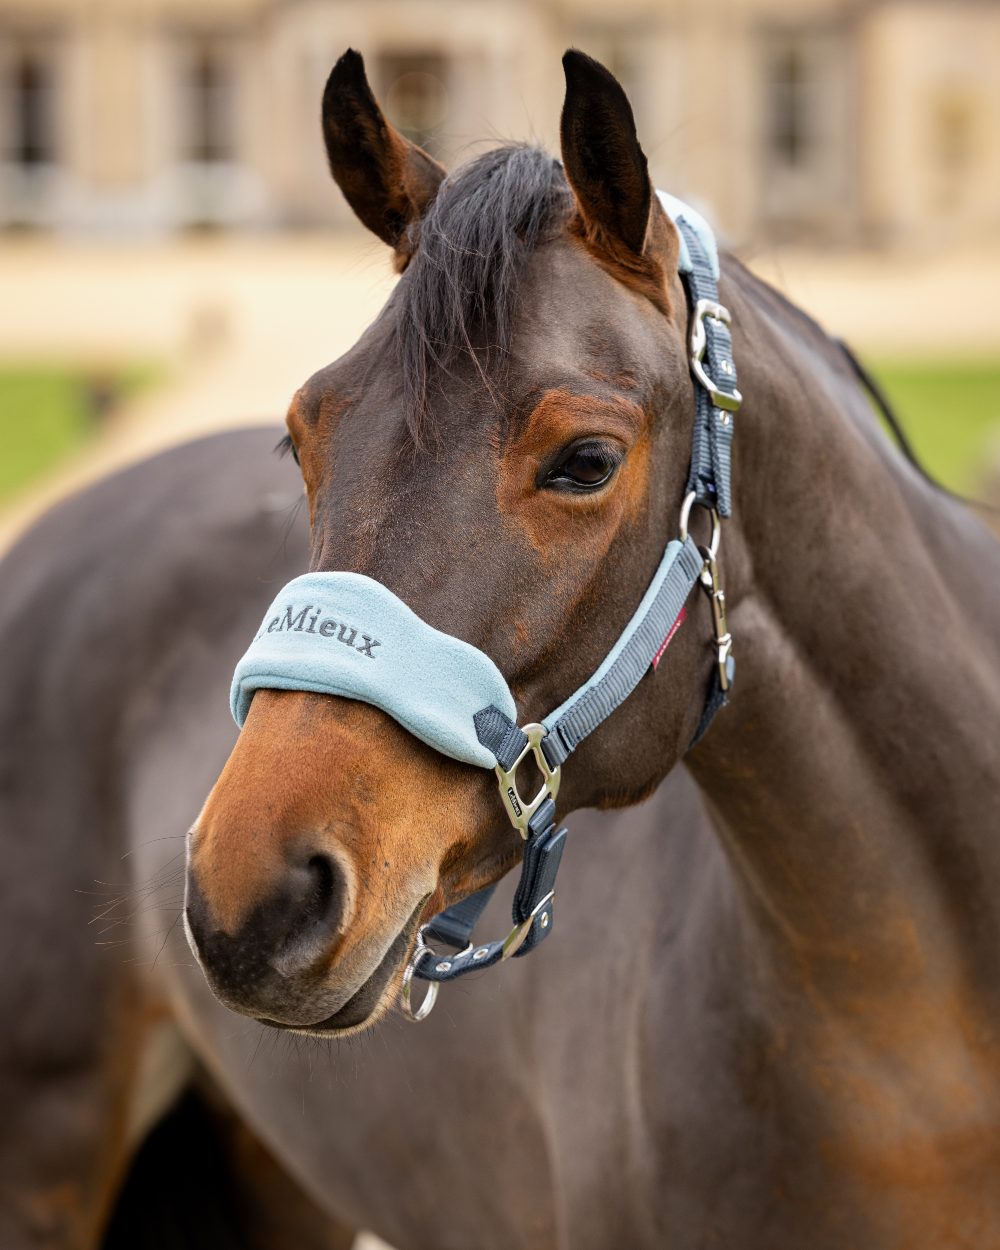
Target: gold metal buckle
519 809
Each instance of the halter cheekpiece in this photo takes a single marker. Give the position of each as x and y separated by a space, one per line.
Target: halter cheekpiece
346 634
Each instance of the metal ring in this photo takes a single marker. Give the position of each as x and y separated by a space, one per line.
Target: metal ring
686 507
429 999
420 951
716 540
690 499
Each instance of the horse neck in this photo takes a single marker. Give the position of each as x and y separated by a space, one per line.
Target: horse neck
855 776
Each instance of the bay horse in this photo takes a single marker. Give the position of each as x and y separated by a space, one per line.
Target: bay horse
770 1015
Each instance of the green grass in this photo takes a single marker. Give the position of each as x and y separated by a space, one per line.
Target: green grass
950 410
48 411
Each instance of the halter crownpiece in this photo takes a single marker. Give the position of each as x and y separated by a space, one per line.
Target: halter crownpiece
347 634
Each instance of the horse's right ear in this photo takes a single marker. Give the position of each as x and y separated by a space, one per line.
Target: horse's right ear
386 179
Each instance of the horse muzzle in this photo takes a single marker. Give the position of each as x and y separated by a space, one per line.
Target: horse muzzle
281 965
315 856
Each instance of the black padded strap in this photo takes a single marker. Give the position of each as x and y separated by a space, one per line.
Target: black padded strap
716 701
455 924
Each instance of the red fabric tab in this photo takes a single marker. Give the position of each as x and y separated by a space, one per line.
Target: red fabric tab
681 616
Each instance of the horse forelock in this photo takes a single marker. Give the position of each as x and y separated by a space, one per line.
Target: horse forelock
458 296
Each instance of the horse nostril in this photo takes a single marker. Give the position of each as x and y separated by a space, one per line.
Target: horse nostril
286 934
321 867
312 906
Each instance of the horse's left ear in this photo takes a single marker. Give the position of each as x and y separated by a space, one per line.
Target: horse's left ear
618 216
386 179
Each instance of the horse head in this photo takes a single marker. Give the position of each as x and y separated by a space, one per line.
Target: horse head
506 450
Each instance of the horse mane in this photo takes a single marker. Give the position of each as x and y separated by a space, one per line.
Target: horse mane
458 296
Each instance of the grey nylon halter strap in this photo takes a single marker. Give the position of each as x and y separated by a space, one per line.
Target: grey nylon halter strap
709 486
595 705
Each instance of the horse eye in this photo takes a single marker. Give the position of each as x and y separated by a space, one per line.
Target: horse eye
287 448
586 467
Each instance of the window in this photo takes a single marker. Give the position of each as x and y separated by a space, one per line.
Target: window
416 98
806 119
209 101
30 93
789 118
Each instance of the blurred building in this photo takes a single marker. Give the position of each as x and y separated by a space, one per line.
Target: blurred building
831 120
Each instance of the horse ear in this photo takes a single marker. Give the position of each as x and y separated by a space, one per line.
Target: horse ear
388 181
604 163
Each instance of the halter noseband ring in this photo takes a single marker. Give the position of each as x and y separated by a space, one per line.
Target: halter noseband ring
346 634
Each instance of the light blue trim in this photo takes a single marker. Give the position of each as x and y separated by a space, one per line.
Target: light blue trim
346 634
674 548
675 208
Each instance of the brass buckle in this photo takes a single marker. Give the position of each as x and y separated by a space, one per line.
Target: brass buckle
519 809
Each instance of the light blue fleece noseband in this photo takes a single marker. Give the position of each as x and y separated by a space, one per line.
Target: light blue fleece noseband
348 635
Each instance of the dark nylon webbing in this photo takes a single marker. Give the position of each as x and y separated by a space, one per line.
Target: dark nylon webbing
499 734
454 925
711 455
542 854
716 701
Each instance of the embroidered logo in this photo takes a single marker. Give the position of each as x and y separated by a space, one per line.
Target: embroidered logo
301 622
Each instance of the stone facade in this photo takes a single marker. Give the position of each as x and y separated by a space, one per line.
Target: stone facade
834 121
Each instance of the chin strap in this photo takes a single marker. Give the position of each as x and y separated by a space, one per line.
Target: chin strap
532 914
639 648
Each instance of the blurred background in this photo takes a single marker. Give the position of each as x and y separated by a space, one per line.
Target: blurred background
174 255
